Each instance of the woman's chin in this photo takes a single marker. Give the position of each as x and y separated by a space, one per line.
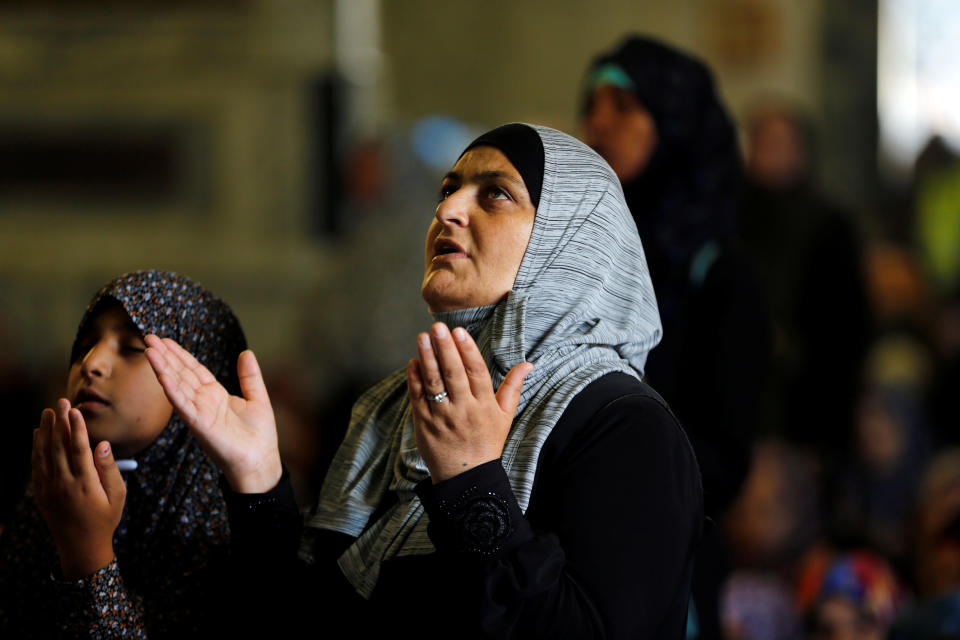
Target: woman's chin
438 293
440 307
442 292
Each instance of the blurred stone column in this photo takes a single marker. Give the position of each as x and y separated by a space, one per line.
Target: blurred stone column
359 61
849 129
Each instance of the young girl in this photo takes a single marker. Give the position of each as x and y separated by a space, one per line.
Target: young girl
131 549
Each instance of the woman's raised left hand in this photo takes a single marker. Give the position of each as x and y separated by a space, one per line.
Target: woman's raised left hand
468 426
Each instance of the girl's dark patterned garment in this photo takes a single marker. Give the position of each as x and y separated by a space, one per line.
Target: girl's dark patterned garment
173 536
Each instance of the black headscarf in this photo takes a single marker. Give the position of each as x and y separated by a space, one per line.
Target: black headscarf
523 148
688 195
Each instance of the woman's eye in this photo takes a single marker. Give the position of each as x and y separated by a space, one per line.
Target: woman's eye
496 193
133 348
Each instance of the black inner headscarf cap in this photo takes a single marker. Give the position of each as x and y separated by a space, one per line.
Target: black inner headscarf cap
523 148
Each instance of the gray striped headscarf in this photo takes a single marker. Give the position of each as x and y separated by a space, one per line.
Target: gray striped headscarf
582 306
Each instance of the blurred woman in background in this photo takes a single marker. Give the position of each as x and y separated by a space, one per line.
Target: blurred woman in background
654 114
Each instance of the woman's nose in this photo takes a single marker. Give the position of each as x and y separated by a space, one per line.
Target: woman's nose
454 209
97 361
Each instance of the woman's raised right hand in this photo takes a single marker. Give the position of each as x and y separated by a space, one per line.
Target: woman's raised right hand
238 433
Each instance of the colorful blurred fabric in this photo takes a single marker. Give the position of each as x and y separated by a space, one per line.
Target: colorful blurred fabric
866 581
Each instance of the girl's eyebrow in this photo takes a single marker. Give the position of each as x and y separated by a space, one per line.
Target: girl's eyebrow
129 327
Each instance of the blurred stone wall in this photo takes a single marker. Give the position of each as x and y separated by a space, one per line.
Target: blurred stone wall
234 84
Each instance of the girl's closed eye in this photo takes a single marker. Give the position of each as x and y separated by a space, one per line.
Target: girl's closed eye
445 191
133 345
81 349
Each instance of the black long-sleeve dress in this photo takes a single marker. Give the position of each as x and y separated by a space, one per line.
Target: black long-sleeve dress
604 550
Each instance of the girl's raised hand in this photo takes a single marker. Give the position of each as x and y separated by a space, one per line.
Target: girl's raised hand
469 425
238 433
79 493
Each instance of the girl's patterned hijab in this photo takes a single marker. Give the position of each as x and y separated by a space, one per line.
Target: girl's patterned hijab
175 307
173 499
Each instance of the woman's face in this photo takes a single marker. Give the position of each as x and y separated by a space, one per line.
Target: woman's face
479 233
621 130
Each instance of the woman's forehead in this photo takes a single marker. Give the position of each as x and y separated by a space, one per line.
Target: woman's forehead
480 158
484 163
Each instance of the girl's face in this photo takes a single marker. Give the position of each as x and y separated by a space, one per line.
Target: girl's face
114 387
479 233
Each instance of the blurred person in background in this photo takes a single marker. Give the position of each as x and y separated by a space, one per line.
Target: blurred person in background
935 554
758 606
384 187
878 485
858 599
776 519
773 529
808 255
654 114
775 536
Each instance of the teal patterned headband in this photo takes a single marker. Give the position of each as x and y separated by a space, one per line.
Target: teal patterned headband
610 74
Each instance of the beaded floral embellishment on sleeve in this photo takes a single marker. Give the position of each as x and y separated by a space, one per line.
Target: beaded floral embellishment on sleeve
480 520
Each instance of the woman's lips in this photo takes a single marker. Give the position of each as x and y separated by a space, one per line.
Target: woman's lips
449 257
446 250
